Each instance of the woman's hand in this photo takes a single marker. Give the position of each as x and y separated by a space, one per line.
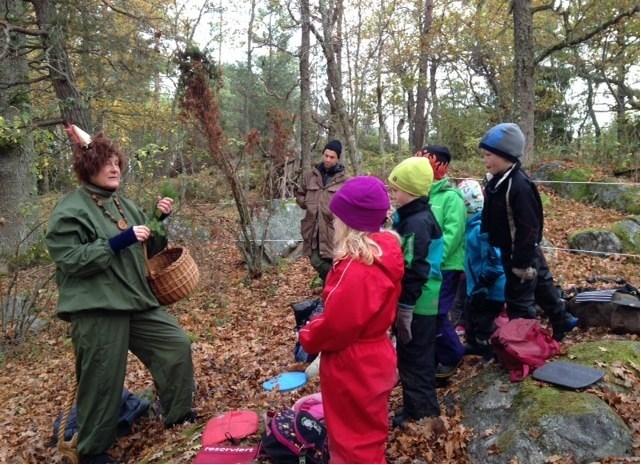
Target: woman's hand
165 205
142 233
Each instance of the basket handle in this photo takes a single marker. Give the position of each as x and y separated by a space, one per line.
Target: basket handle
144 254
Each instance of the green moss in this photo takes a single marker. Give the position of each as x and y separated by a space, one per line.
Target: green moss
573 174
631 202
589 353
574 191
583 231
545 200
533 402
629 246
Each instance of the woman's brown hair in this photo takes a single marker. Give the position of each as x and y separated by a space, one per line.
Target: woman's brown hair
87 162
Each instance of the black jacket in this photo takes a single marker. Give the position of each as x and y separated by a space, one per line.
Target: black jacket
527 213
416 225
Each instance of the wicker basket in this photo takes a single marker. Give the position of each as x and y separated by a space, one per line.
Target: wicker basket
173 274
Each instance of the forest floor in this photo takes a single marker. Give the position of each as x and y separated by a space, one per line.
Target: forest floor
242 332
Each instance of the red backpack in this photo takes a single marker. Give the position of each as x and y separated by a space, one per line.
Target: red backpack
522 345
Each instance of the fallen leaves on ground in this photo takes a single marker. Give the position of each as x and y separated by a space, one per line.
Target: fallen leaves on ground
243 334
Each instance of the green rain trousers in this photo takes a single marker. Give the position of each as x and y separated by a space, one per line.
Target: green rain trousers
101 340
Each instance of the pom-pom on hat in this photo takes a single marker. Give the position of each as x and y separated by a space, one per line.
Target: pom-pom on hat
505 140
472 195
334 145
413 175
361 203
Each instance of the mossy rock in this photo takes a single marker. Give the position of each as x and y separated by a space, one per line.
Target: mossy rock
580 192
597 240
531 422
617 196
607 355
627 230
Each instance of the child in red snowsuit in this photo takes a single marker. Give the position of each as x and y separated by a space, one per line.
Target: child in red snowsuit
358 363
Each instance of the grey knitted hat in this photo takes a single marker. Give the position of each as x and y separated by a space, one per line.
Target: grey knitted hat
505 140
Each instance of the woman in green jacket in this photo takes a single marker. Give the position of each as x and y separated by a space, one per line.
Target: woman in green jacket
96 239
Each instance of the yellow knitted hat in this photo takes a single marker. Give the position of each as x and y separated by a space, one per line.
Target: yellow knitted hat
413 175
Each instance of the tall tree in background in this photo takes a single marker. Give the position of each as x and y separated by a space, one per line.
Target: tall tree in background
526 60
305 105
17 181
420 116
524 72
73 106
330 40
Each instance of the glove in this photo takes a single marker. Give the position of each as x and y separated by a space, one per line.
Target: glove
312 369
404 315
526 274
123 240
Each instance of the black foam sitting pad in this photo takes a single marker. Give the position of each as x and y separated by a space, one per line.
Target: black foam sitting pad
567 374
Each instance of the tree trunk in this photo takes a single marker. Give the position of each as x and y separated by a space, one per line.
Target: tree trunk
330 41
73 107
590 108
248 65
524 73
620 94
305 89
379 84
434 99
411 109
420 118
17 182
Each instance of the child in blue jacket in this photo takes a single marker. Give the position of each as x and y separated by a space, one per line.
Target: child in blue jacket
484 276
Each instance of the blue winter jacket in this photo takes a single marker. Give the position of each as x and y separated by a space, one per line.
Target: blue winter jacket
483 267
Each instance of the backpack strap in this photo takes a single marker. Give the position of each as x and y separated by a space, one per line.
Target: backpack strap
510 212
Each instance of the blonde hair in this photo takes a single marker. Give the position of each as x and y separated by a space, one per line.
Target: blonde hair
350 243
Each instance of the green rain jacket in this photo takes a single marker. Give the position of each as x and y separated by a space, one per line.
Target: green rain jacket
90 276
449 209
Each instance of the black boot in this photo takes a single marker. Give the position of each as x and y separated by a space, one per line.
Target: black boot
95 458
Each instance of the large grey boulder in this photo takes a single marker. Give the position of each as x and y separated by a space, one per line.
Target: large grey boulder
182 229
283 236
531 423
596 240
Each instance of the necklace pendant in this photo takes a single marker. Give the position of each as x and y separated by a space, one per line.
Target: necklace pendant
122 224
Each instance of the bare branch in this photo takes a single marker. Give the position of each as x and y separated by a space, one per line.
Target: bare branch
22 30
547 6
568 42
7 85
145 19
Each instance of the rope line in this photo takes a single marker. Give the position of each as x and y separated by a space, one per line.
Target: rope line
592 252
542 181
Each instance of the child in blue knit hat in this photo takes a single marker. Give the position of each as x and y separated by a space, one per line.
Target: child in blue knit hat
513 220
